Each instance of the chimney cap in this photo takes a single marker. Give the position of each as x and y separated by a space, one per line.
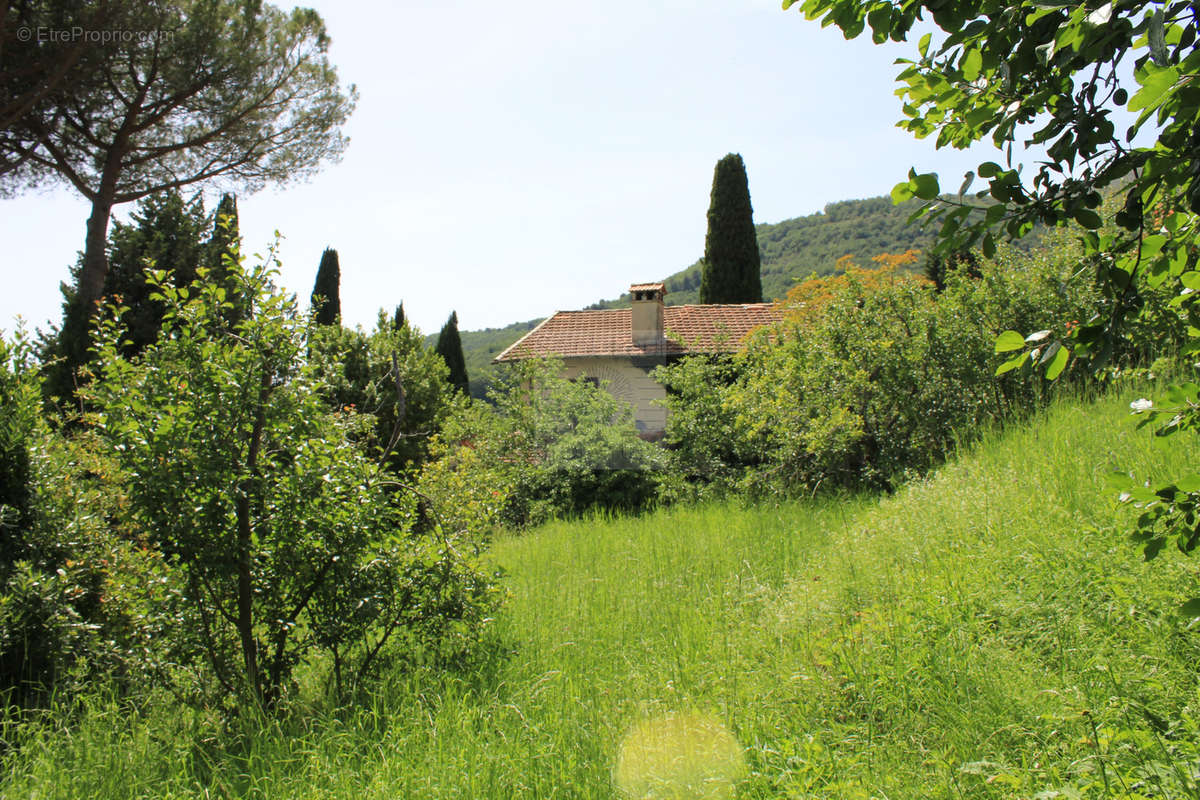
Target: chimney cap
649 287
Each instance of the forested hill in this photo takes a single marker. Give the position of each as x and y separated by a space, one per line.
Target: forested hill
796 248
791 250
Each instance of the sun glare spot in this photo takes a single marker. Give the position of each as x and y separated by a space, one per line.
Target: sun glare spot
679 757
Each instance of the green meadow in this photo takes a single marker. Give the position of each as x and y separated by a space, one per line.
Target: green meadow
986 632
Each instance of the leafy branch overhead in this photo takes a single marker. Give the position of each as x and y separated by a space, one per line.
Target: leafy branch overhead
1051 74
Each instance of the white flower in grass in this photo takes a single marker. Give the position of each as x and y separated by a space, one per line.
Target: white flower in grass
1138 406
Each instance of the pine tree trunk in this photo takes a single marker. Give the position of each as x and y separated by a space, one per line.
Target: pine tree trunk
95 254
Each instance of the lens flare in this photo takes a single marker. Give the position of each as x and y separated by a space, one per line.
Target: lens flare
679 757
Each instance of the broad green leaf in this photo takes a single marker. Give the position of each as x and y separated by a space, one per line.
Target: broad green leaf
1153 245
1189 484
1117 480
989 169
989 246
972 63
1156 82
1152 547
1088 218
1011 364
1191 608
902 192
926 186
1008 341
1157 39
1190 279
1058 361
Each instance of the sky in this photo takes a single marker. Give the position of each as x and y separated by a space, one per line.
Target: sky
508 160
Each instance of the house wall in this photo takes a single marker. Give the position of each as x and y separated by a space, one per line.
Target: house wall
627 382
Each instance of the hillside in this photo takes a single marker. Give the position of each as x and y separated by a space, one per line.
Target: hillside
986 633
791 251
797 248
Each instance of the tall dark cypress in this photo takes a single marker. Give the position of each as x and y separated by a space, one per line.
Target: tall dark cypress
449 347
165 230
731 269
326 294
223 258
938 267
398 319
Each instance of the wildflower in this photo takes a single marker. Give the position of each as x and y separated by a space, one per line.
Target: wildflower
1140 406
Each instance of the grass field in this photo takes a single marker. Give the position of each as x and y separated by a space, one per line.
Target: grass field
988 632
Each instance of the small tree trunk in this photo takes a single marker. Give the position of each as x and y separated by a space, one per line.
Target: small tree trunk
245 585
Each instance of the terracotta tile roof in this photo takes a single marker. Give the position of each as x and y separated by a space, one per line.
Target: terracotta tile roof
649 287
689 329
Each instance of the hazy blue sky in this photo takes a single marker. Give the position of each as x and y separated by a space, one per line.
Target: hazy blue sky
511 159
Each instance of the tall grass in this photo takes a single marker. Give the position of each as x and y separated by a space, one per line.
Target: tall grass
988 632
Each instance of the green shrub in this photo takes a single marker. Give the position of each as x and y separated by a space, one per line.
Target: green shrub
877 383
365 373
81 596
290 543
548 447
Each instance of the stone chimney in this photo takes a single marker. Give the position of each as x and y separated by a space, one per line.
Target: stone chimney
647 313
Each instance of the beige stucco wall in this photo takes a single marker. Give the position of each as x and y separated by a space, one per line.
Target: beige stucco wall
628 383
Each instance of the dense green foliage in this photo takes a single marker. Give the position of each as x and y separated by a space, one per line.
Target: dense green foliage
289 538
984 634
872 378
449 347
544 446
1056 75
223 258
224 515
326 293
389 376
81 598
731 265
165 232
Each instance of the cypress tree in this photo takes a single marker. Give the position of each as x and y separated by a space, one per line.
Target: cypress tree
326 297
223 257
166 231
449 347
731 269
398 319
938 267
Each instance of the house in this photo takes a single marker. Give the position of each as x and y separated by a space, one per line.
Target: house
619 348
